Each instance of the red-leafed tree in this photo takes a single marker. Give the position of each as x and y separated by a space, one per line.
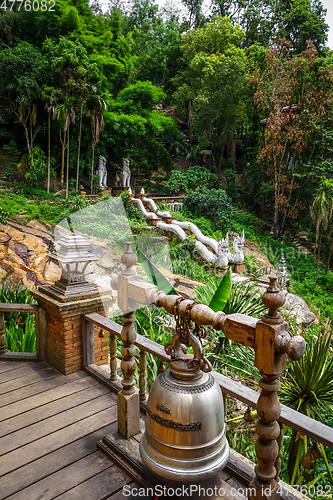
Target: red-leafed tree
295 96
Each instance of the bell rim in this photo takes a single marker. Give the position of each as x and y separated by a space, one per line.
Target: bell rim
169 471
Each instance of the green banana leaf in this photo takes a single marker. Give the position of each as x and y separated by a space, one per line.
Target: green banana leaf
154 275
221 295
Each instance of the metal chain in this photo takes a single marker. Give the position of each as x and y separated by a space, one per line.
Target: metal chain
184 326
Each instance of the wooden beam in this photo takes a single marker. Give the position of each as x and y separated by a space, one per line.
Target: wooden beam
21 308
305 425
240 328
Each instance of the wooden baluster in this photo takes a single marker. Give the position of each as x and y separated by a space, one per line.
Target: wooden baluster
270 366
143 375
277 464
128 398
113 356
2 335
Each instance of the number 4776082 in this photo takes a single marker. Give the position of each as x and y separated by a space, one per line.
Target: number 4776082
28 5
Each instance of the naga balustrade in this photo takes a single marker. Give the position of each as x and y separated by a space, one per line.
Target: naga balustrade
268 337
40 329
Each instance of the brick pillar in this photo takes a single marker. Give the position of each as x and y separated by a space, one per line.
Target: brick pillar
64 327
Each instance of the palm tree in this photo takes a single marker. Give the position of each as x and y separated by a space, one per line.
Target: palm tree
96 105
52 110
66 114
321 210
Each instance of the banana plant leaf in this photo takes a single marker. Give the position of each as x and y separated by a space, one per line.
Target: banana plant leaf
154 275
221 295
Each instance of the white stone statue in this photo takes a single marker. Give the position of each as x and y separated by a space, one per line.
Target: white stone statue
102 172
126 173
222 259
142 191
238 243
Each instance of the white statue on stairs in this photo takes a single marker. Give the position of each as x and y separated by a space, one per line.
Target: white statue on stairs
222 249
102 172
126 173
238 243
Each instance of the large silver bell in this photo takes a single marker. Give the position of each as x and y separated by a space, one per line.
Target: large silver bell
185 438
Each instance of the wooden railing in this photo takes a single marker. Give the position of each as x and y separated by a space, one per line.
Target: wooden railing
40 329
303 424
268 337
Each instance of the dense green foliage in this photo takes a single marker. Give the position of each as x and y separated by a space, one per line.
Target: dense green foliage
20 335
235 100
77 82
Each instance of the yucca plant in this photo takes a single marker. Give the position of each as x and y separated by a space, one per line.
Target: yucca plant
242 298
307 386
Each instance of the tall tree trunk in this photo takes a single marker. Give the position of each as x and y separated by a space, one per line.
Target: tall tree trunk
233 151
317 268
329 257
31 137
92 169
63 147
67 166
48 152
276 208
93 144
78 154
26 133
317 236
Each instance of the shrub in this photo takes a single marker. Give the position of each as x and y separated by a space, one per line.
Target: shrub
211 202
193 178
38 167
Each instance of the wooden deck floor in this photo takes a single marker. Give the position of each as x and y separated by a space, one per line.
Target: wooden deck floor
49 427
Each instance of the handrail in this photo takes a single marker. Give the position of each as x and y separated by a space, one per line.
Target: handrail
303 424
22 308
268 337
40 330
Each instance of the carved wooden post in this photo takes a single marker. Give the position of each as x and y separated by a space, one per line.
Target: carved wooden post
2 335
143 375
132 292
272 345
128 397
113 356
277 464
